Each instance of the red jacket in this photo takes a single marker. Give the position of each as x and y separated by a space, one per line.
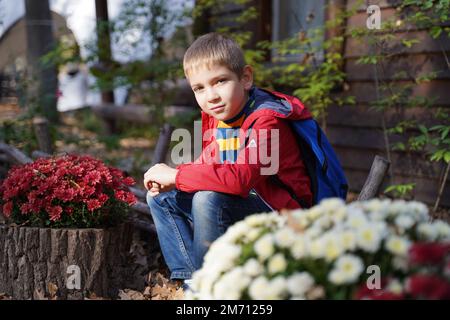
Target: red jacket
207 173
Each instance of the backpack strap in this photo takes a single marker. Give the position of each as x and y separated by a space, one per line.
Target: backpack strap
247 134
274 178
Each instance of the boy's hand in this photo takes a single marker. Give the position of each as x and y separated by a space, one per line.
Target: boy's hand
160 178
155 188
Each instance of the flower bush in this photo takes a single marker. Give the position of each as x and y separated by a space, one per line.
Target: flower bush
324 253
66 191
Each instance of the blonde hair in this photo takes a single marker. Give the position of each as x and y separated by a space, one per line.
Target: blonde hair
213 48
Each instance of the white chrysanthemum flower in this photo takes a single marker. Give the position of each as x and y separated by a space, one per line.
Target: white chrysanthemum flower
443 229
263 219
333 246
323 223
339 215
299 247
253 234
277 263
398 245
202 284
428 231
368 238
224 291
331 204
263 289
285 237
222 255
253 268
395 286
349 267
382 228
419 210
258 288
314 213
316 248
336 276
231 285
404 221
299 283
277 288
348 240
373 205
400 263
236 231
303 221
297 298
356 218
397 207
313 232
264 247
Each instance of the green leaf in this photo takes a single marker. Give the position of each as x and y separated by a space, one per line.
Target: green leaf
399 146
423 129
445 133
409 43
447 157
438 155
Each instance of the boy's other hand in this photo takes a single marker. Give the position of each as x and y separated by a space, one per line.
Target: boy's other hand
160 178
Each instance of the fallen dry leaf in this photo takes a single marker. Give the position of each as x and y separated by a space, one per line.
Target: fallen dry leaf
38 294
52 289
3 296
129 294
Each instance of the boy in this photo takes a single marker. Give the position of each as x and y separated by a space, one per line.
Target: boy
195 203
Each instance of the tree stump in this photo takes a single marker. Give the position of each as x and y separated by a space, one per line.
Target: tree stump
78 262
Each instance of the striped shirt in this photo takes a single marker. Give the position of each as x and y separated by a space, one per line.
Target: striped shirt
227 134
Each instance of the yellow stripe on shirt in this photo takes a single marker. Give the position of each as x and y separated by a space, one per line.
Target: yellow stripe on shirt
228 144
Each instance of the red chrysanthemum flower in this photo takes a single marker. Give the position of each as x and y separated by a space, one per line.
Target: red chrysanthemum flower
59 187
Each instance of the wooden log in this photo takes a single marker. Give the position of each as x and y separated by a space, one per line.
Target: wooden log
36 154
143 225
376 175
141 114
4 158
162 146
34 259
132 113
42 132
141 208
139 193
15 155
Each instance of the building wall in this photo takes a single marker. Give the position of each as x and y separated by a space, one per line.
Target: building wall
356 131
13 44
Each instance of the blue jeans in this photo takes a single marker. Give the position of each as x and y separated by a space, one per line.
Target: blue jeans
187 223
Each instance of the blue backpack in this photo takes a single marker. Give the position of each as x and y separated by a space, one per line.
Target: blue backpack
322 165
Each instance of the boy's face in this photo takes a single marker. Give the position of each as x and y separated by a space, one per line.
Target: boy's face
219 91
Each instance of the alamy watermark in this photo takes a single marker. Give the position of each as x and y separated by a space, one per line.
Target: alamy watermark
74 277
374 280
374 19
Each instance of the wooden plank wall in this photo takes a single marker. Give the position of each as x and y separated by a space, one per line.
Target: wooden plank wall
356 131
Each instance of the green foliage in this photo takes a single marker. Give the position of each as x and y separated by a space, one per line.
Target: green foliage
66 50
385 49
400 190
19 133
305 63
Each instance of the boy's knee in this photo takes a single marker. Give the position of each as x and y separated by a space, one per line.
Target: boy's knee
205 199
150 200
153 204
